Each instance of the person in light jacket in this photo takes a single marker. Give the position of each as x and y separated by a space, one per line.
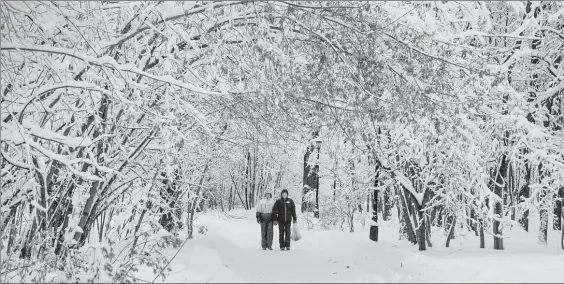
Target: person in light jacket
283 212
264 218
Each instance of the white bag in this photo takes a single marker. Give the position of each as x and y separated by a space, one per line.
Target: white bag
295 235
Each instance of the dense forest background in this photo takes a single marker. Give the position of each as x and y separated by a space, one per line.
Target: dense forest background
122 121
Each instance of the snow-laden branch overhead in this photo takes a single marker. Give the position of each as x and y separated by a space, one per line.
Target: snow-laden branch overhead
14 134
174 14
68 163
11 133
78 85
106 61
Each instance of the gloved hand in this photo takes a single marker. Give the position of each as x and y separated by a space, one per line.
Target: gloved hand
275 223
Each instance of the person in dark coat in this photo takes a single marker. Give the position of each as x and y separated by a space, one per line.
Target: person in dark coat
283 213
264 218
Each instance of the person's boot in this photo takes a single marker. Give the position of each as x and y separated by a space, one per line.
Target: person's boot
263 248
269 248
281 248
288 248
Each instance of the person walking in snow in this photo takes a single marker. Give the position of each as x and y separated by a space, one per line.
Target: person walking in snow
283 212
264 218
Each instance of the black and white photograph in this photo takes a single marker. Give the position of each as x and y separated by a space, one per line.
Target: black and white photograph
282 141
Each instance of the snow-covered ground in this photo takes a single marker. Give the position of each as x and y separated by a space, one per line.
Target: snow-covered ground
230 252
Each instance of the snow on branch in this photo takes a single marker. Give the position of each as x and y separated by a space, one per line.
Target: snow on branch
200 118
56 137
80 85
10 134
72 84
406 183
493 68
410 79
14 162
544 95
172 15
106 61
411 47
471 33
68 163
18 137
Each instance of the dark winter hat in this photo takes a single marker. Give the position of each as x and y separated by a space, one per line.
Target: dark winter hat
283 190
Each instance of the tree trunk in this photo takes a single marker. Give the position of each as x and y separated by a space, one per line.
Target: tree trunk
451 220
351 219
308 178
525 193
374 228
408 227
433 220
135 235
101 227
428 231
401 228
247 177
368 202
420 222
501 177
380 203
254 180
543 228
88 227
482 237
65 215
386 205
543 212
25 251
334 189
562 229
421 234
87 210
557 219
468 212
374 224
190 219
473 223
316 178
511 189
12 232
231 200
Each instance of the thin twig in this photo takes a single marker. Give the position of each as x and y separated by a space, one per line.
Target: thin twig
187 238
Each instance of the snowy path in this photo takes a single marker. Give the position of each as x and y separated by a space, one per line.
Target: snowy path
310 260
231 252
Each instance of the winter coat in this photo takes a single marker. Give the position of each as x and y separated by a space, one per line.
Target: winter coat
264 210
284 211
